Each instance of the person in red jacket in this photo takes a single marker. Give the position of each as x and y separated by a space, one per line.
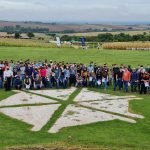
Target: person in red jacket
43 75
126 79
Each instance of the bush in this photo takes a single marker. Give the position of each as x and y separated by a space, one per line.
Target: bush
30 35
17 35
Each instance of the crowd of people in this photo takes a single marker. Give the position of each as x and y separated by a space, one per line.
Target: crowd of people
51 74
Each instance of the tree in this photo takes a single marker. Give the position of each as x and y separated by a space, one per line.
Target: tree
107 37
66 38
30 35
9 32
18 26
17 35
122 37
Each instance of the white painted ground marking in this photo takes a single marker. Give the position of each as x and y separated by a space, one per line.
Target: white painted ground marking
74 116
23 98
37 116
62 94
116 106
86 95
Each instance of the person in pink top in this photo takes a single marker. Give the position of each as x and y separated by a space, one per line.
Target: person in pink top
126 79
43 75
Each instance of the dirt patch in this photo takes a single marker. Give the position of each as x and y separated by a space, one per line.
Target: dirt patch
43 148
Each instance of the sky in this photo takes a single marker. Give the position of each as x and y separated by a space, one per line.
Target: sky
87 11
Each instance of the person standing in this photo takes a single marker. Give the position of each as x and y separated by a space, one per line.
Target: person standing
99 76
134 80
73 74
1 77
67 75
57 77
22 72
115 72
43 75
28 72
126 79
105 77
84 75
145 78
8 74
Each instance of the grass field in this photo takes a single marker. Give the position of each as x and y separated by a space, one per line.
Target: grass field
113 135
109 135
76 55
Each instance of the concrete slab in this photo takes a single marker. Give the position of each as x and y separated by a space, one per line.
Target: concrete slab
23 98
115 106
86 95
62 94
37 116
74 116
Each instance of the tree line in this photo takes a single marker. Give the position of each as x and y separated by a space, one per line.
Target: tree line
108 37
20 29
29 34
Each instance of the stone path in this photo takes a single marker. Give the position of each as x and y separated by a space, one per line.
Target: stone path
43 108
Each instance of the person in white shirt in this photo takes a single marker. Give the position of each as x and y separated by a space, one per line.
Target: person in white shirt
8 74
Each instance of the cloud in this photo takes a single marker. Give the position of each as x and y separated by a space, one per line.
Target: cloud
75 11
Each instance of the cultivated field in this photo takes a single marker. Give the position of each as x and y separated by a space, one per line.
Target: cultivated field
127 45
28 43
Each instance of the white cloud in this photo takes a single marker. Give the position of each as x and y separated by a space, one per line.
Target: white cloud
67 10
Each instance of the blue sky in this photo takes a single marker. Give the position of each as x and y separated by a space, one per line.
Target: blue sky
75 10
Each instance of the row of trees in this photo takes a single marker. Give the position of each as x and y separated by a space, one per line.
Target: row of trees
108 37
29 34
18 28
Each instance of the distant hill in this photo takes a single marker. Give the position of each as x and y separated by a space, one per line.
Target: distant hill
67 28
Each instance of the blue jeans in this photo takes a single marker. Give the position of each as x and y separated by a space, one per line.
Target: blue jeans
57 83
118 83
13 82
1 83
44 81
133 86
105 83
22 76
51 81
64 82
92 83
125 86
67 81
37 87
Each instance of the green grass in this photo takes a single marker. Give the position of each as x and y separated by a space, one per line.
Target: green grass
112 134
5 94
76 55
